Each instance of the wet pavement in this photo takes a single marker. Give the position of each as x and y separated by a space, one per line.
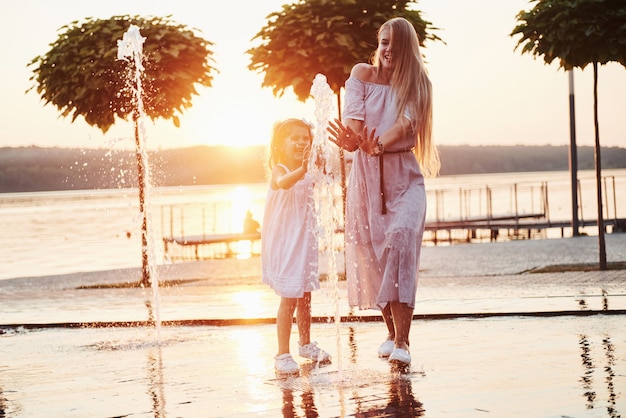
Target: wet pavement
490 338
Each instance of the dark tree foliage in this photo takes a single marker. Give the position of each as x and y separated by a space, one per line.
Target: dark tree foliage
575 32
82 76
324 36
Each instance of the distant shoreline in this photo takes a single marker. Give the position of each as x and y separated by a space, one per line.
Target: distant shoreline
31 169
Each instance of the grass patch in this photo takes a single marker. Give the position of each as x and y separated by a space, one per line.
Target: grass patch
562 268
137 284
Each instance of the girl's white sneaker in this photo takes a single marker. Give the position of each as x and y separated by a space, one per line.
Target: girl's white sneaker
313 352
285 364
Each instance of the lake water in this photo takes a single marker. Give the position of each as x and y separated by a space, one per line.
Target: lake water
556 366
50 233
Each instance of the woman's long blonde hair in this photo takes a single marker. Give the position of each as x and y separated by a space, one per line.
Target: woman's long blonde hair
413 90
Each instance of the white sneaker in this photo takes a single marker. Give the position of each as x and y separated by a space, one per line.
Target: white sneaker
401 357
313 352
386 349
285 364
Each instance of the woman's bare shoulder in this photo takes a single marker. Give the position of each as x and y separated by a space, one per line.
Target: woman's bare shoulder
364 72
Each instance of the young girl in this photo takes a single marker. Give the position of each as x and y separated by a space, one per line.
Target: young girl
289 253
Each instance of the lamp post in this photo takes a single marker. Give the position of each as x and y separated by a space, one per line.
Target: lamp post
573 155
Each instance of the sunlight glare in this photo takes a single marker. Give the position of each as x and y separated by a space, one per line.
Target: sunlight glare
231 123
245 339
248 303
240 202
240 125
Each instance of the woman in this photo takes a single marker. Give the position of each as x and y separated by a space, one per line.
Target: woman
387 121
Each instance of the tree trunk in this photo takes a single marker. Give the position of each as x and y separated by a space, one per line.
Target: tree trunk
573 156
598 163
141 179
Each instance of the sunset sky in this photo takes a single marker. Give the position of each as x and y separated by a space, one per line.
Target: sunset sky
486 92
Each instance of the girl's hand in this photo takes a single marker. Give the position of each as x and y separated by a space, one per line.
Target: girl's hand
343 136
370 143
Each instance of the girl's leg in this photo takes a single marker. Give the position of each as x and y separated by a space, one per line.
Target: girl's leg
402 318
303 318
284 319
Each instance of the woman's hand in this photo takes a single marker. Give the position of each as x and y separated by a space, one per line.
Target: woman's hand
343 136
370 143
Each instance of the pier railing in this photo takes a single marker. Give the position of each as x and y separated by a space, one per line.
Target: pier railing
464 214
208 230
523 211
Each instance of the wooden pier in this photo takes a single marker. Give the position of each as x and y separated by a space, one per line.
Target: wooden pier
523 227
455 215
222 240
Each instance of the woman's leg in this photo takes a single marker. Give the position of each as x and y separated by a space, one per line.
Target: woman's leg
284 319
303 318
388 318
402 318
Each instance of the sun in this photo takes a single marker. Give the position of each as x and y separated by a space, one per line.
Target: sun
240 118
225 123
240 125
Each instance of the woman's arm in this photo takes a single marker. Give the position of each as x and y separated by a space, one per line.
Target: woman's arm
394 134
363 72
373 144
354 135
344 136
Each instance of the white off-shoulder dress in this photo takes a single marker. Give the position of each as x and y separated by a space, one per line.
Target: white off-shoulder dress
289 249
382 249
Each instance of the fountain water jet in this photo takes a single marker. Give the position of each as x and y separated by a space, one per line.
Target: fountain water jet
322 168
130 49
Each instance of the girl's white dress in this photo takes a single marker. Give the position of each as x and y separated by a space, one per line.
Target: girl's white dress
289 249
382 250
